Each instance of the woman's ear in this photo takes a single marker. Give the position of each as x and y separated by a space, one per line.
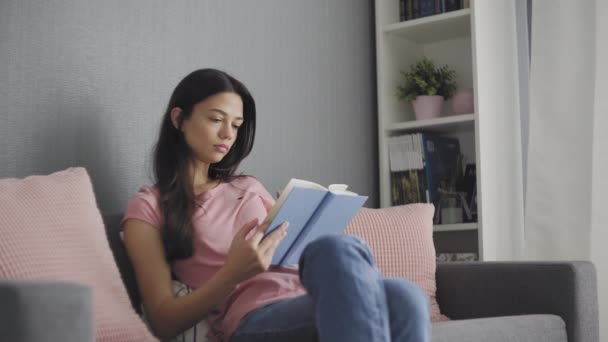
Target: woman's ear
175 119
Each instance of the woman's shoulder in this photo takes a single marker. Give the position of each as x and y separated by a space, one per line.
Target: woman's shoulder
147 192
144 205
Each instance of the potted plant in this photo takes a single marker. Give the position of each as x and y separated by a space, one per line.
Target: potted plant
427 87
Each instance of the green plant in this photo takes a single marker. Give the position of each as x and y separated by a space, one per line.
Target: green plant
424 78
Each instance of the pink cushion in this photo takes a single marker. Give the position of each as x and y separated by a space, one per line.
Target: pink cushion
51 229
401 239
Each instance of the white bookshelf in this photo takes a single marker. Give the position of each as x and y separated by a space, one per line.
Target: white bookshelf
441 124
475 42
454 227
433 28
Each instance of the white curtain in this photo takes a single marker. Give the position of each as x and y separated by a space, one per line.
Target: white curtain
566 212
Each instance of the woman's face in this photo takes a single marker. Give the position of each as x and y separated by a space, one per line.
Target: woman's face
213 126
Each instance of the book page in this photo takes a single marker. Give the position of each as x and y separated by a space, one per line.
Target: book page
340 189
294 182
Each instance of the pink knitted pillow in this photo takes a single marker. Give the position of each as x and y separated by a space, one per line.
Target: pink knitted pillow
401 239
51 229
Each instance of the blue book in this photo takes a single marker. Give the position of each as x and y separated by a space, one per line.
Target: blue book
427 7
312 211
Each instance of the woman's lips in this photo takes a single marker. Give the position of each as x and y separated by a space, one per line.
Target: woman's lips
221 147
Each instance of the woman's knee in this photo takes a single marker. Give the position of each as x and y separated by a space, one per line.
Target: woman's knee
405 293
337 246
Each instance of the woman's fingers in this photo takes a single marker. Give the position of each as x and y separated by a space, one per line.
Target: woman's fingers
259 233
270 242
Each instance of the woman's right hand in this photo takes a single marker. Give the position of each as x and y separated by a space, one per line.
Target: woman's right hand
250 254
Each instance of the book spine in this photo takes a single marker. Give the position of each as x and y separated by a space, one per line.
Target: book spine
402 15
451 5
409 9
395 190
424 197
302 235
427 8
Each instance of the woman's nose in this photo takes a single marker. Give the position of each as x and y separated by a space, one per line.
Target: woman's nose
226 132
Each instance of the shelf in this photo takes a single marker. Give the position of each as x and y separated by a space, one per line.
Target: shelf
434 28
438 124
455 227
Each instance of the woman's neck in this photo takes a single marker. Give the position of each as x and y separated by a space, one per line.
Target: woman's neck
201 181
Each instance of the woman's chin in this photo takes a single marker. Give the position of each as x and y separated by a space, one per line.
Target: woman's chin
213 159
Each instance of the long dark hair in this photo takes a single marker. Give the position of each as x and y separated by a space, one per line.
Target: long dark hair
172 155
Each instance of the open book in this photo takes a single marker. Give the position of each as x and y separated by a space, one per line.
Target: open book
312 211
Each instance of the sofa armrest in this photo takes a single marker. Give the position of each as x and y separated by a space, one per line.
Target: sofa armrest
45 311
490 289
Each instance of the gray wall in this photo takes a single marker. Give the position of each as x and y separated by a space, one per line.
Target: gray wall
84 83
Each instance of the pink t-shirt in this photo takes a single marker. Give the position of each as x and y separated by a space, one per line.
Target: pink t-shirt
221 212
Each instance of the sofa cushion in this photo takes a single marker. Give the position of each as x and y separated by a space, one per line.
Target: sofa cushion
51 229
401 239
525 328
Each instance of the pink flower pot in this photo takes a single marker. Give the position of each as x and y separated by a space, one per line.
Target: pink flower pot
427 107
462 102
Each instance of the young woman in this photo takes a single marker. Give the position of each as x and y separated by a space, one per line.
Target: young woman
203 225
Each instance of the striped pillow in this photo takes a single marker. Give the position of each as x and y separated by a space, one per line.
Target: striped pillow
401 239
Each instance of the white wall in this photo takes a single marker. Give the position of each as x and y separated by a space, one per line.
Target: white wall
599 201
85 83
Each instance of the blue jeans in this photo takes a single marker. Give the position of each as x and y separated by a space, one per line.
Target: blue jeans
348 300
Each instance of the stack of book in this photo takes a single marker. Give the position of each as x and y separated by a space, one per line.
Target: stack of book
452 257
421 164
412 9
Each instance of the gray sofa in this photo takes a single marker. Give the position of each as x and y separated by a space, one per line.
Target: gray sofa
487 301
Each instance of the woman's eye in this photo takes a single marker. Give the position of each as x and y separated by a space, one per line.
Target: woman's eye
236 126
216 120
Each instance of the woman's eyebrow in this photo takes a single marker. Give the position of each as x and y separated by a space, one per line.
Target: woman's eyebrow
239 118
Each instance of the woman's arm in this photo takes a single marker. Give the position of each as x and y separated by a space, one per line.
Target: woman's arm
168 315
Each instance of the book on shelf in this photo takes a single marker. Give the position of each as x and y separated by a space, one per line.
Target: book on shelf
456 257
441 156
452 5
426 8
414 9
420 165
407 170
312 211
469 187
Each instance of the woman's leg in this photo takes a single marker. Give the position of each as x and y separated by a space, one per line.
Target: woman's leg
346 299
409 311
347 290
288 320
